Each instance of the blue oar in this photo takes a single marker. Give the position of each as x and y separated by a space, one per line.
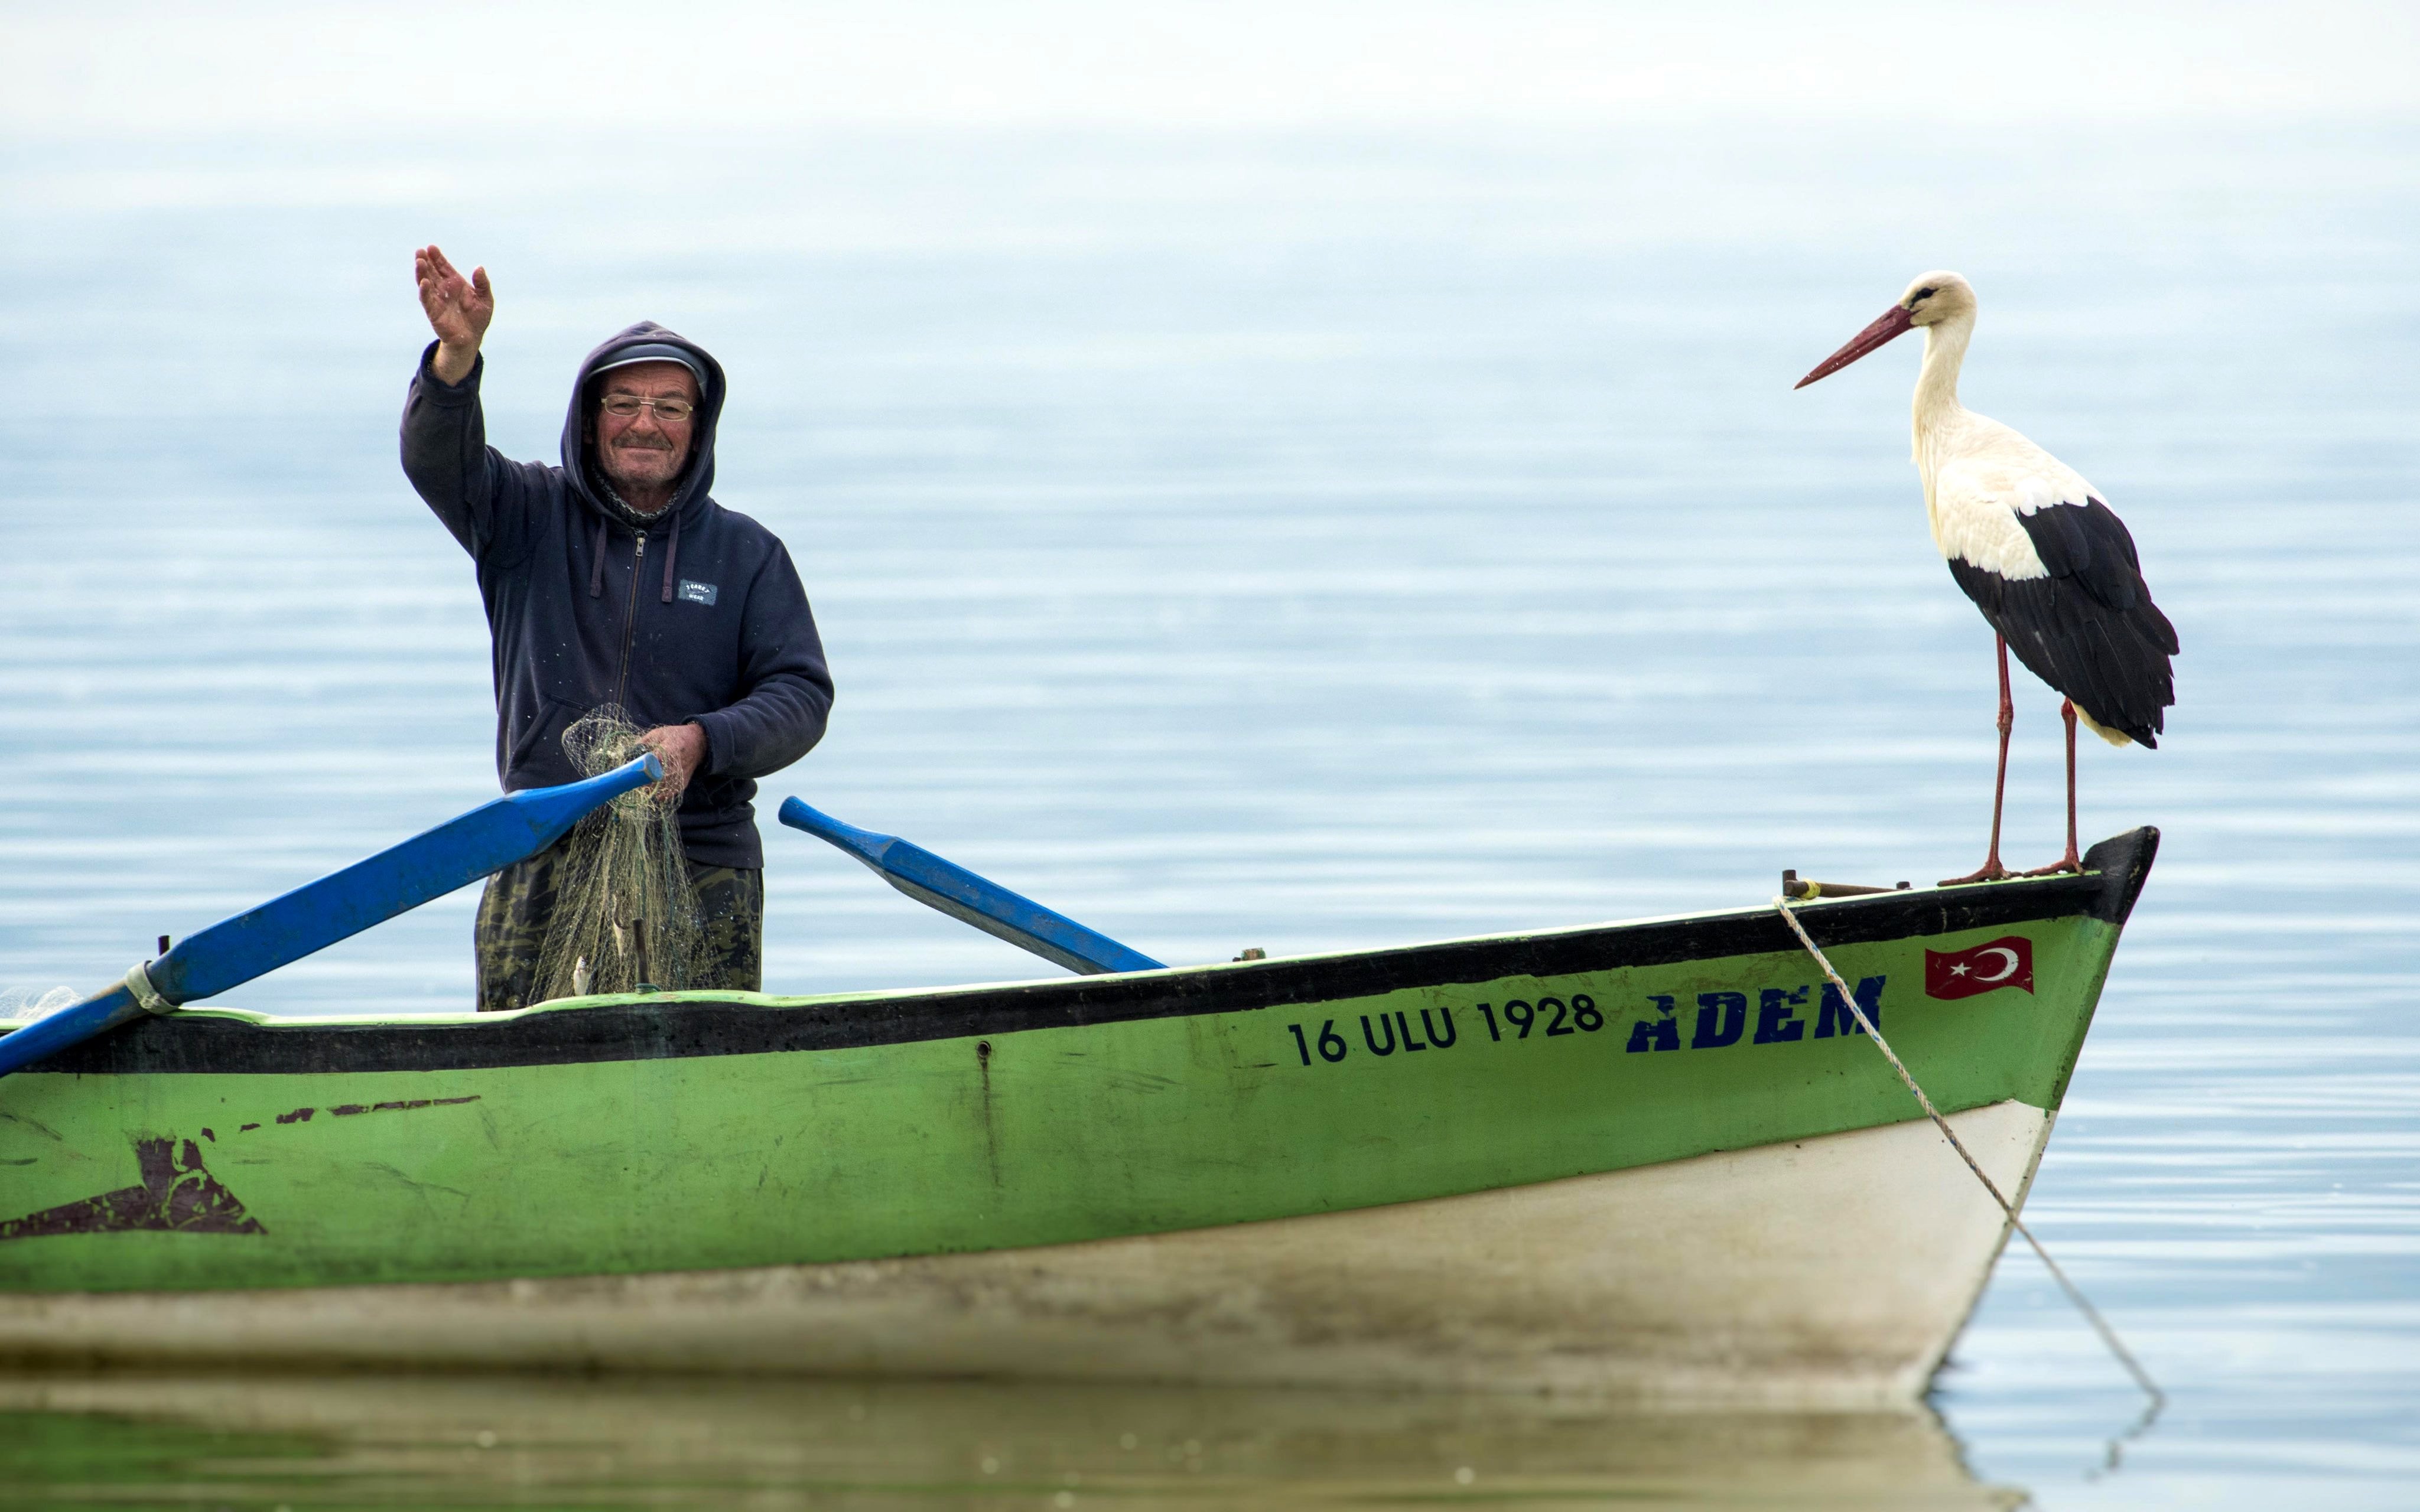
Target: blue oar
964 896
342 904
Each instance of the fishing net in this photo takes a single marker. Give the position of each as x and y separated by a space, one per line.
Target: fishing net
29 1003
625 913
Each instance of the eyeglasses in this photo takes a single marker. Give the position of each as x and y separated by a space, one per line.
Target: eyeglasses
626 407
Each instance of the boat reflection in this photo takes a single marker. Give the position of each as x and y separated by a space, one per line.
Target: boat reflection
541 1441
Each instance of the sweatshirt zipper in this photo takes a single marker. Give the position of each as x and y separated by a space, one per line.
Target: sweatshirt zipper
629 623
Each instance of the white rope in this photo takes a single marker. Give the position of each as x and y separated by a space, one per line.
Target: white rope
147 996
2075 1295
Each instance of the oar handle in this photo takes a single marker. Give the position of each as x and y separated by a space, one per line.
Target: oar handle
964 896
864 844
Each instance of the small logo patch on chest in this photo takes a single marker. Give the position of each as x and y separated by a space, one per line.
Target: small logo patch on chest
696 593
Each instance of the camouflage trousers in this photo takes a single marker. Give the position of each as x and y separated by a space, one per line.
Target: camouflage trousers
518 905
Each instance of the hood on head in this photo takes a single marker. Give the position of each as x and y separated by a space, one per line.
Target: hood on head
697 474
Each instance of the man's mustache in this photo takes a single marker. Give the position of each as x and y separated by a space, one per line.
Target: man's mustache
638 446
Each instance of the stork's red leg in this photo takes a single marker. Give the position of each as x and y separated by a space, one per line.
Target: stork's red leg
2071 861
1992 870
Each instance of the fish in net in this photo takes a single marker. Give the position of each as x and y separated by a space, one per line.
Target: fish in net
625 911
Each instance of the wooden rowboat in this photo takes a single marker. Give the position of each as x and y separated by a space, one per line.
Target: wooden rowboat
1651 1157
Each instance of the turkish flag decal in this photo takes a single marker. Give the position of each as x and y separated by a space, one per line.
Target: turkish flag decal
2006 962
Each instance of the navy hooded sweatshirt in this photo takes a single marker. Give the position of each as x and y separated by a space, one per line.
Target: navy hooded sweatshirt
694 614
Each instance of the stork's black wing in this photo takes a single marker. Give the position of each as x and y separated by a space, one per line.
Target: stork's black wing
2089 628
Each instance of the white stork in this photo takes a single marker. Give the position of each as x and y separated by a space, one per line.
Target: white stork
2036 549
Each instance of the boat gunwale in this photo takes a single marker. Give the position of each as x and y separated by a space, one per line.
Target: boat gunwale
688 1026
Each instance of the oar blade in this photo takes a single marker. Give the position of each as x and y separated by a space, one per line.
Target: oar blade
963 895
335 907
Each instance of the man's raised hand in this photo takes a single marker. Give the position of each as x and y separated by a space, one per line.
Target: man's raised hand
459 311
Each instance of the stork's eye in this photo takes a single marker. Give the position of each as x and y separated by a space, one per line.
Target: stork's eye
1922 295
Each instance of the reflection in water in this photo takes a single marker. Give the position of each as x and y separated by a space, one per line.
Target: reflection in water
535 1441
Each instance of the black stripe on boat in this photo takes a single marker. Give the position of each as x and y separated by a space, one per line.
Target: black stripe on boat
673 1028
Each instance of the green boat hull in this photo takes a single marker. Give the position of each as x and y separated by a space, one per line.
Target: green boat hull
673 1134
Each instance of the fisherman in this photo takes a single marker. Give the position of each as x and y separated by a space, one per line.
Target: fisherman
616 579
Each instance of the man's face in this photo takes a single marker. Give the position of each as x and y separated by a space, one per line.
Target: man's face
644 451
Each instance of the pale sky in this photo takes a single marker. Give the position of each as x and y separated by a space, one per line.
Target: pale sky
142 70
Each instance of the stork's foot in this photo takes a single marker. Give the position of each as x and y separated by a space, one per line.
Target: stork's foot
1991 870
2070 862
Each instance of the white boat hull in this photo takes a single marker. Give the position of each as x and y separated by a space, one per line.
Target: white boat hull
1832 1271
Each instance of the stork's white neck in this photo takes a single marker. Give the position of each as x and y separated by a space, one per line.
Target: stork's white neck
1936 384
1937 409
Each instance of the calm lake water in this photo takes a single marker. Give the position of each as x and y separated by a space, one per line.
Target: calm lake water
1303 542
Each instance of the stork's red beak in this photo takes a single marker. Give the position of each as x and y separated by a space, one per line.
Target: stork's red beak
1895 322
